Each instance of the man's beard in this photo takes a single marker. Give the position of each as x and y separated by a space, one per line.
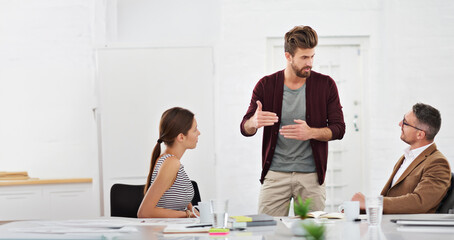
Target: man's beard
300 72
404 139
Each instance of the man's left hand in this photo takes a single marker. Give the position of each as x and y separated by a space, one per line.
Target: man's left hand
299 131
361 199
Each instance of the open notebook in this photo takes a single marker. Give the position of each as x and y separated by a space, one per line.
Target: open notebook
322 214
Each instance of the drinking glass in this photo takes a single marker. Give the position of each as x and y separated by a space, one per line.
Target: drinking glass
219 210
374 210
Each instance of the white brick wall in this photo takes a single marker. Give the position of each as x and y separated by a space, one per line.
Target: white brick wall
401 73
46 55
46 88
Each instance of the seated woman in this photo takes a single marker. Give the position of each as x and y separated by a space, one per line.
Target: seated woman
168 190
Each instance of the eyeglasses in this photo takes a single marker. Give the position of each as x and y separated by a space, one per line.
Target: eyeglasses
406 124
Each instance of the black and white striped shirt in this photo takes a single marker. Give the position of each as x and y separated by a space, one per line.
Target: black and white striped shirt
180 194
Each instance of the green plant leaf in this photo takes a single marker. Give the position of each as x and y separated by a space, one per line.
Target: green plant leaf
302 208
316 231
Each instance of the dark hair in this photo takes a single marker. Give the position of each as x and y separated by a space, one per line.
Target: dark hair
300 37
173 122
429 116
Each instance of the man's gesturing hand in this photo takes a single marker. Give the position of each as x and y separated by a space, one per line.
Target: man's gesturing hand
299 131
263 118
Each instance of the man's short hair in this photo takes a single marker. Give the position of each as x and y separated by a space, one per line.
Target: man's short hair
300 37
428 116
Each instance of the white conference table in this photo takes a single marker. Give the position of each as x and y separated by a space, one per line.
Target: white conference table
336 229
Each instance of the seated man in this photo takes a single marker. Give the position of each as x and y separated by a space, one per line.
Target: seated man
422 176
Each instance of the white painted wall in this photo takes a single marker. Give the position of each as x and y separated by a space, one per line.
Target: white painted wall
47 89
47 74
418 52
242 63
404 68
166 23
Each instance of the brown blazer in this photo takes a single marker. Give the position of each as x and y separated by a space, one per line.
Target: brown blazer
421 187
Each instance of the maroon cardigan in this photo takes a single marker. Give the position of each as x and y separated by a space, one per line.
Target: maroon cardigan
323 109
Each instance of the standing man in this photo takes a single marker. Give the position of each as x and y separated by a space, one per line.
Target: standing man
422 176
300 111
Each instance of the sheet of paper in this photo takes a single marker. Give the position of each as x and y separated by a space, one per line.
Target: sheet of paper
69 229
167 221
426 229
182 228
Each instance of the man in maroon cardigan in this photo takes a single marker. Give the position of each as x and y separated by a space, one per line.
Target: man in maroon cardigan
300 111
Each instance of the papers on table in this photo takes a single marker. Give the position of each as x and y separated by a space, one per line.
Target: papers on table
93 229
425 225
424 222
167 221
425 229
183 228
102 228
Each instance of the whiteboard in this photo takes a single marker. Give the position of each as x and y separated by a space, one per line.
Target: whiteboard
136 85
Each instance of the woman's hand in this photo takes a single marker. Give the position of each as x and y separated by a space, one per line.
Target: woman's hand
196 212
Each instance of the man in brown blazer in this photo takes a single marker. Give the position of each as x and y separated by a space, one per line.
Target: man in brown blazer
422 176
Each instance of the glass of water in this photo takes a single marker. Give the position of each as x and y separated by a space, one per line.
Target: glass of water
219 210
374 210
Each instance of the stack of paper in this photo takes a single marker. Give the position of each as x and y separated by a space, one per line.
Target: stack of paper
425 225
14 176
252 221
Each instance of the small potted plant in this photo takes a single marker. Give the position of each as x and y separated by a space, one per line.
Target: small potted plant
314 231
301 210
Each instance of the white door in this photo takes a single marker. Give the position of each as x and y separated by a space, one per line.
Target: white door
341 59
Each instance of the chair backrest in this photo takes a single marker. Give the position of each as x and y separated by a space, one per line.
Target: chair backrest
125 199
448 201
196 199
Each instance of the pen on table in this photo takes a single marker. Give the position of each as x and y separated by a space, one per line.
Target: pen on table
238 229
202 225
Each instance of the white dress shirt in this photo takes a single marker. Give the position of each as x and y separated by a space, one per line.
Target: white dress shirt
410 155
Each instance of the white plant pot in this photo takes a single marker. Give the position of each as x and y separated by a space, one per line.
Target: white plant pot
297 227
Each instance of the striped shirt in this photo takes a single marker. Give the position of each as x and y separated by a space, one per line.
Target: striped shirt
180 194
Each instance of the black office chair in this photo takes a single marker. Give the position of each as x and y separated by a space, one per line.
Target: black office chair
448 201
196 199
125 199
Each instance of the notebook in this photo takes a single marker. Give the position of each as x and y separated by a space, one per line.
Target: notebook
252 220
424 222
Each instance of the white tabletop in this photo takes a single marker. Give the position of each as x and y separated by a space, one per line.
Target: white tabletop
150 230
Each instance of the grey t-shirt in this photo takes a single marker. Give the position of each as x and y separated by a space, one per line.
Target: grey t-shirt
293 155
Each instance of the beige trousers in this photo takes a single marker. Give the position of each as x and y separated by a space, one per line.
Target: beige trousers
279 188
